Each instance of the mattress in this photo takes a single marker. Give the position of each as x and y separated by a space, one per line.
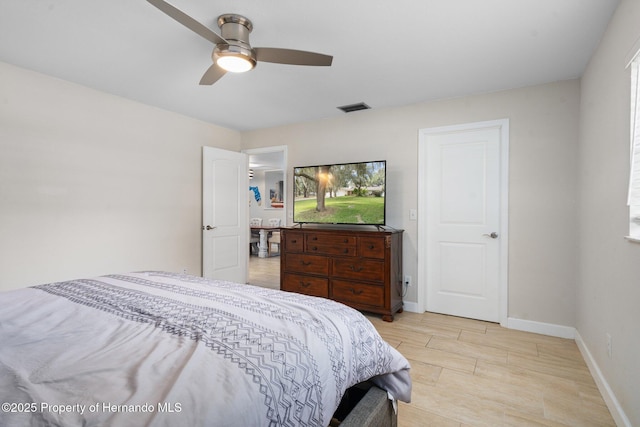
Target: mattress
163 349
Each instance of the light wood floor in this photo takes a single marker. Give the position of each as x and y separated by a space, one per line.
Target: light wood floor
264 272
471 373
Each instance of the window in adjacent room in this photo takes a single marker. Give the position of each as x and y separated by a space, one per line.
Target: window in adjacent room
634 179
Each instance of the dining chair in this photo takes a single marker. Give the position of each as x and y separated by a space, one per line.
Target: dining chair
274 238
274 222
254 240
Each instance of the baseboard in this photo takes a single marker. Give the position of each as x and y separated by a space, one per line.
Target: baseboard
541 328
569 332
411 306
607 394
521 325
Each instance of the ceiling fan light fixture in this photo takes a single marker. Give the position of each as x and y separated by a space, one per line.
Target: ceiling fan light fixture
234 59
234 64
233 51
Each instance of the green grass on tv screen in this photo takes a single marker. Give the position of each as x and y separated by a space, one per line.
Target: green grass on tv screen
342 210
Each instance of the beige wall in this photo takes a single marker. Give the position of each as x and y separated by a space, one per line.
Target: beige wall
92 184
543 144
609 266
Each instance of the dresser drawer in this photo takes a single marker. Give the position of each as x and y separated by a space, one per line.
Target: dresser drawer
293 242
307 285
331 239
357 293
310 264
372 247
331 250
328 244
358 268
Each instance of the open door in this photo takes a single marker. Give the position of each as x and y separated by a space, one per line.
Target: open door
225 220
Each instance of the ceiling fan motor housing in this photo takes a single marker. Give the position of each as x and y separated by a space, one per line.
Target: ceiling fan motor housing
235 29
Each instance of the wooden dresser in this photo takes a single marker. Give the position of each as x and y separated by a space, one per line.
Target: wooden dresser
360 268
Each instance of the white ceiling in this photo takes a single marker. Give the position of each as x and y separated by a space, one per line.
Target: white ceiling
267 161
386 53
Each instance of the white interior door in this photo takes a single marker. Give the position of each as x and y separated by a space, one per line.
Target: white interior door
225 220
465 230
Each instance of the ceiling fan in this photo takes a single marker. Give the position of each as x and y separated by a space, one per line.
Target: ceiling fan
232 52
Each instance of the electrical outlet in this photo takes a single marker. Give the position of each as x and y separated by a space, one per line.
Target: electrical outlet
413 214
184 271
609 347
407 281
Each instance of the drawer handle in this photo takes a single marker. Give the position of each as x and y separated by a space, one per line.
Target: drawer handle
314 238
356 269
315 248
305 263
294 241
355 291
346 250
304 285
371 246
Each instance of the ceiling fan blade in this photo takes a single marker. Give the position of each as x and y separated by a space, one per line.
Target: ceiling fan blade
291 56
212 75
187 21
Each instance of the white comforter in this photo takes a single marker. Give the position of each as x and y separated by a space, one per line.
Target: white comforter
162 349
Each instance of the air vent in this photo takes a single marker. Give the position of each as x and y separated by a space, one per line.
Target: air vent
354 107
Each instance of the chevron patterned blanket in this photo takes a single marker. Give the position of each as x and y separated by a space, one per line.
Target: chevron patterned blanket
162 349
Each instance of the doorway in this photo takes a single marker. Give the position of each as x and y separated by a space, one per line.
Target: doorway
267 198
463 220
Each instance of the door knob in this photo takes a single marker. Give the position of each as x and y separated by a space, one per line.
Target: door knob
208 227
493 235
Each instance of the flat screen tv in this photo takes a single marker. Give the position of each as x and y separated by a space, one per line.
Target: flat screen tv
340 193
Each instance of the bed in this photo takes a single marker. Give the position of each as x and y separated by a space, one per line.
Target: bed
165 349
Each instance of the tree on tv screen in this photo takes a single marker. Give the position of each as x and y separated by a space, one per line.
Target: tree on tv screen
320 180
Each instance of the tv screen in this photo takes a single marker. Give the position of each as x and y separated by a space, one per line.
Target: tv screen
341 193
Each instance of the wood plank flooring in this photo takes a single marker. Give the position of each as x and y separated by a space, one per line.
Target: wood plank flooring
264 272
472 373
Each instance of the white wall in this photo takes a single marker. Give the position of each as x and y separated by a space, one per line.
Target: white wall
256 209
92 184
543 144
261 209
608 295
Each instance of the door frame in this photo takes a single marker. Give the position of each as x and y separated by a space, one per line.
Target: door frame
285 173
503 291
277 149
